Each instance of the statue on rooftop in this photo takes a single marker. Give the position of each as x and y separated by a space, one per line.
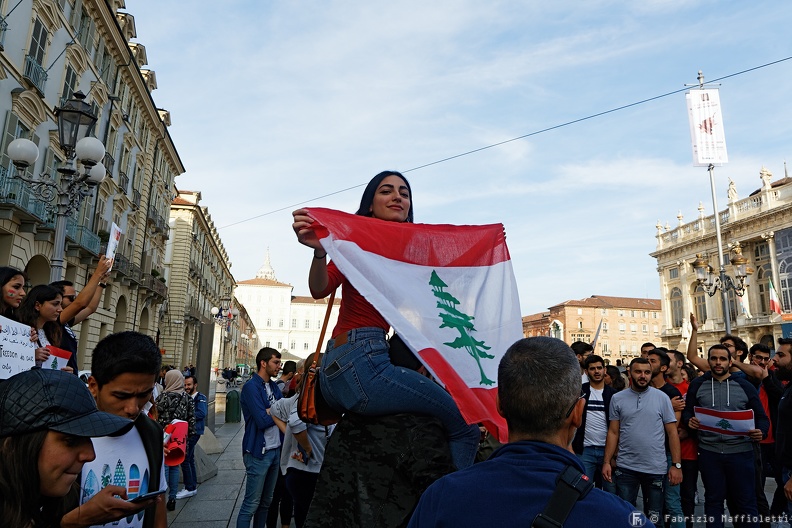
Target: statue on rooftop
732 192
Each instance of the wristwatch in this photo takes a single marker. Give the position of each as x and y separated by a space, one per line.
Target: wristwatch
677 465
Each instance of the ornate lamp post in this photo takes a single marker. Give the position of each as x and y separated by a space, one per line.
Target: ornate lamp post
222 318
62 198
712 282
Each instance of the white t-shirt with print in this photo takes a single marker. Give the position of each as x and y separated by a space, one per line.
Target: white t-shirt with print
120 461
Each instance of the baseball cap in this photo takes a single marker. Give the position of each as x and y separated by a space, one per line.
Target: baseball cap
44 399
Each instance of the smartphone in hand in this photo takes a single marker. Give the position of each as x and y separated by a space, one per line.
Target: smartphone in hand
146 496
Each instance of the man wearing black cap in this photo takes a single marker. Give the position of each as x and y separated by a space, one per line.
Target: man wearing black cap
124 368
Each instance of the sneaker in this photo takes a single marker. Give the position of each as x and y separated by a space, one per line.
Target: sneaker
171 504
185 493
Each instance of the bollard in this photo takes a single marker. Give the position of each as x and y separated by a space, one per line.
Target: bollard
233 413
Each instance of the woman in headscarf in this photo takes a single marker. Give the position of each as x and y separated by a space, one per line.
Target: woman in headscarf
174 404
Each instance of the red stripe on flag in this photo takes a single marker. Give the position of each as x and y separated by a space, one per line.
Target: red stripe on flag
475 404
722 431
729 415
462 246
63 354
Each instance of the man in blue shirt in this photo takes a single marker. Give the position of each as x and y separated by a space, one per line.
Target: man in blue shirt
261 443
539 396
188 466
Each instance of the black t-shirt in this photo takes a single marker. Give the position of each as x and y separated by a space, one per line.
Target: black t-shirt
69 342
672 392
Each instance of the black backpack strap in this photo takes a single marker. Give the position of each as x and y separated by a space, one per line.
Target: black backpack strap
571 486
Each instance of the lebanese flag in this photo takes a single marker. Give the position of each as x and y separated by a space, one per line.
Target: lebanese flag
448 291
775 302
734 423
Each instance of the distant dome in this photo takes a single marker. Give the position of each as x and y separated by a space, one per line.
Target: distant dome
266 271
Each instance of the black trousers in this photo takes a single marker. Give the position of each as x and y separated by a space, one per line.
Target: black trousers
301 486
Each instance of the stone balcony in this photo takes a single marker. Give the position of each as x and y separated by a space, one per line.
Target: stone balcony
765 200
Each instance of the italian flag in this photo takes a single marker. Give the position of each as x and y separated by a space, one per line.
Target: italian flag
734 423
448 291
775 302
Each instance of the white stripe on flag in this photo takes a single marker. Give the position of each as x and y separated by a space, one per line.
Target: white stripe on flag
725 422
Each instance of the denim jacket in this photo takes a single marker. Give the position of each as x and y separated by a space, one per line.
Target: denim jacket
254 409
201 410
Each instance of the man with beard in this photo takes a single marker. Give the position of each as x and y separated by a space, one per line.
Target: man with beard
641 418
726 461
589 442
660 361
582 350
783 427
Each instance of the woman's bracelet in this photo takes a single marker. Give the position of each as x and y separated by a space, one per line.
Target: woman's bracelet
320 258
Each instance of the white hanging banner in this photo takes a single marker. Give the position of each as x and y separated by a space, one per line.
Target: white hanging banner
706 127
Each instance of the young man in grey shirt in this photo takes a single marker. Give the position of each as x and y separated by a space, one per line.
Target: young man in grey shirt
641 418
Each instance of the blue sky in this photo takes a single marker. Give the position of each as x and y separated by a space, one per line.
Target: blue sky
276 103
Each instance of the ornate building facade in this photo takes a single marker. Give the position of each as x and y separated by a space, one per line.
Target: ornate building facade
626 323
284 322
50 49
760 225
198 269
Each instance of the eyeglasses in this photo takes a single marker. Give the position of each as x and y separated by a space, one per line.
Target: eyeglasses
572 407
760 358
70 297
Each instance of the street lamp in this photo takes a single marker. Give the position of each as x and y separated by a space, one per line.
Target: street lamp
222 318
712 283
62 198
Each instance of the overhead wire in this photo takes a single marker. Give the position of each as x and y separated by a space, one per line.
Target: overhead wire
518 138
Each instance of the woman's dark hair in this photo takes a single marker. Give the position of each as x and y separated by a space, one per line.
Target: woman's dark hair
21 502
371 189
6 274
692 372
617 381
28 314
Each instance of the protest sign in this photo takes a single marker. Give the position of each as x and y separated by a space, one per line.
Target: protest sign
17 351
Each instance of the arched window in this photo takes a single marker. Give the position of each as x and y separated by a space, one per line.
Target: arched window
700 300
677 313
763 287
785 288
555 330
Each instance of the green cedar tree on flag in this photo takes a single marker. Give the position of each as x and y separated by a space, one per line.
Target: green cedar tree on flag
448 291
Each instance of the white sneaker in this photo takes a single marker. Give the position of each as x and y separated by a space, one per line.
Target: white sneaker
184 494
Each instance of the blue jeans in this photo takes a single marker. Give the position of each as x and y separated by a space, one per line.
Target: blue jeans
627 484
172 474
359 377
261 475
188 466
673 503
592 457
729 475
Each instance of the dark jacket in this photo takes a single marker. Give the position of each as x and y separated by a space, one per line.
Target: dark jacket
511 488
201 410
254 408
607 394
732 394
151 436
783 428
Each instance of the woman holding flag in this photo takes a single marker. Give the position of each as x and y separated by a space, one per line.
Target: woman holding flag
358 375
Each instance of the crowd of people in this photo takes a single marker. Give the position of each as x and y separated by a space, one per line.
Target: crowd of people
584 437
